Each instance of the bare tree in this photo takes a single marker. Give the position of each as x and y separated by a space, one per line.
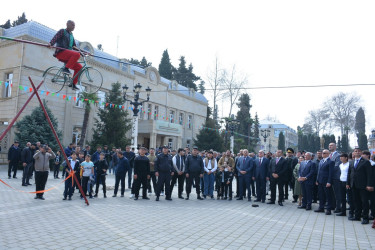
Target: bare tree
215 80
318 120
342 108
233 83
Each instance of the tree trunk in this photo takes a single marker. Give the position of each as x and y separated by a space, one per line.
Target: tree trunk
84 126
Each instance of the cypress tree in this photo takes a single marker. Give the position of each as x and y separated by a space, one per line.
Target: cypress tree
165 66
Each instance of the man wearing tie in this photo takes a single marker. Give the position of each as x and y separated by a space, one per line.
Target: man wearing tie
278 170
324 182
292 161
261 176
179 170
336 187
245 168
360 181
306 178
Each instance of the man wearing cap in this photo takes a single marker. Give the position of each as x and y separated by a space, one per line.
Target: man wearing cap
194 171
42 158
14 158
164 171
291 162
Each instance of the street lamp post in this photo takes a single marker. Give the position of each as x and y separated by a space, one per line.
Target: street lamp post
232 125
265 134
136 104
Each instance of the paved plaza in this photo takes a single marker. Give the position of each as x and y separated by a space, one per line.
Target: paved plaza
122 223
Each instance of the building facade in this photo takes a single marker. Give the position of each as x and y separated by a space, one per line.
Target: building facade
270 143
371 142
171 117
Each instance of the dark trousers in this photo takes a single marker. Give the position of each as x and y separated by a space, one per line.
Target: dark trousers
228 189
261 188
372 203
153 179
100 179
361 204
307 190
280 184
120 177
336 186
40 181
315 192
237 186
343 196
286 190
164 180
244 181
25 175
252 186
56 170
141 180
12 167
85 181
324 196
221 189
181 180
130 172
78 179
189 182
68 191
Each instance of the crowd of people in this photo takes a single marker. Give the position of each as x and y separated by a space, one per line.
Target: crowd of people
326 177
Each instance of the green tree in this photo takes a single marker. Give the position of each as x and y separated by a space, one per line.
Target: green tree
281 143
35 127
20 20
362 141
201 87
244 117
299 138
256 127
92 98
185 76
6 25
111 127
360 123
165 67
143 63
344 143
305 143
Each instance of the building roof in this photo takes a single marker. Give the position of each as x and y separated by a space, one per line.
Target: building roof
275 125
44 33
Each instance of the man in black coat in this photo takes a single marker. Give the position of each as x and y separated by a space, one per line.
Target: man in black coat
291 162
261 176
27 162
164 171
324 182
141 174
278 170
360 181
194 171
14 158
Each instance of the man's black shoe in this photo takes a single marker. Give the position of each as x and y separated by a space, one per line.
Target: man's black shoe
157 198
239 199
230 198
308 208
256 200
25 185
337 211
319 211
280 203
14 177
105 196
136 198
328 212
29 184
9 177
66 71
301 207
263 201
364 221
249 199
204 196
341 214
180 197
187 197
371 217
122 195
294 201
64 199
271 202
145 198
114 195
42 198
199 197
96 195
70 198
168 199
354 219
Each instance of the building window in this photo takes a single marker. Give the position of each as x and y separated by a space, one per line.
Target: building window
171 116
101 99
188 143
170 143
149 108
8 85
156 112
190 119
181 118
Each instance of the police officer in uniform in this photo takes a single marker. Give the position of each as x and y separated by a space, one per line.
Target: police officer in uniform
164 171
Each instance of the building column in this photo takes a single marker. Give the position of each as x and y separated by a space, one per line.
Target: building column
178 142
153 140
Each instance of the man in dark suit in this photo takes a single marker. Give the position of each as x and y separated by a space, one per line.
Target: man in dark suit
291 162
360 181
324 182
245 168
278 170
306 178
261 176
317 160
14 158
336 187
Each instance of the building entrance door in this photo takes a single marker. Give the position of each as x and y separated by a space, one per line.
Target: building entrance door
146 142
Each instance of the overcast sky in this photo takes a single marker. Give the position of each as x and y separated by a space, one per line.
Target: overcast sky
274 43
